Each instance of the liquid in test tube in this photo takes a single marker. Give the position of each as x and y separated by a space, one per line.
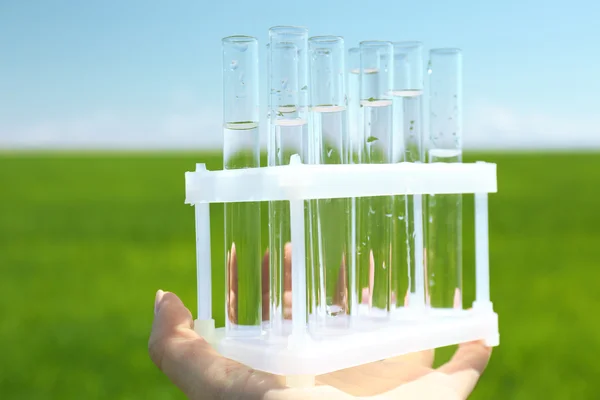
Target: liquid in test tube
242 220
288 135
408 147
374 223
331 275
444 212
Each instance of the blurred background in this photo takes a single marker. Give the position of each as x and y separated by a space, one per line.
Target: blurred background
104 106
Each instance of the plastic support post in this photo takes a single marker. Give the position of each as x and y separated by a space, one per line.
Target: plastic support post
203 258
418 253
353 296
298 266
482 260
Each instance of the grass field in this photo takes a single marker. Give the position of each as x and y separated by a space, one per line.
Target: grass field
86 240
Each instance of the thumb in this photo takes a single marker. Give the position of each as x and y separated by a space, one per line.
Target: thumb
171 319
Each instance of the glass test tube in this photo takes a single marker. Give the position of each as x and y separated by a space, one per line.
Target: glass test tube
330 275
444 212
374 214
241 149
354 127
408 147
354 132
288 135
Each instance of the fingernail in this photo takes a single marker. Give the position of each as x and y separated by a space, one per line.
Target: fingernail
159 296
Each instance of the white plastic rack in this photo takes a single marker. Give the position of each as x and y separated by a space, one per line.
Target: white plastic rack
301 354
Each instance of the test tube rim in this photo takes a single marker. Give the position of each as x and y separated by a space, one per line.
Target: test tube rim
239 39
446 51
288 30
409 44
376 44
328 39
285 45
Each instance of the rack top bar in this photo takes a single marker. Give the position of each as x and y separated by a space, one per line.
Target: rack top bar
299 181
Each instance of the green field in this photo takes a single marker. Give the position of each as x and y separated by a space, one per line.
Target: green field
86 240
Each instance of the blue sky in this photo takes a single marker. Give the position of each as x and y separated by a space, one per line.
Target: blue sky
148 73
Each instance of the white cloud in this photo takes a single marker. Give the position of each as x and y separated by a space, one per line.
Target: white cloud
485 127
496 127
109 130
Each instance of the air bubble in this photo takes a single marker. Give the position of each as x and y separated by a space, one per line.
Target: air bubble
234 64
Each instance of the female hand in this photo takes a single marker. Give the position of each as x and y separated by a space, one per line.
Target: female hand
201 373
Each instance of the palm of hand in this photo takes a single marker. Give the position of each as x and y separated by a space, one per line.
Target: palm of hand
201 373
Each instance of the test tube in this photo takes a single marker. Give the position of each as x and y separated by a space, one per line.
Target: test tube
355 132
374 214
354 127
444 212
241 149
288 135
329 128
408 147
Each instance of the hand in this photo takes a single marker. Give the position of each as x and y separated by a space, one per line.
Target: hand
201 373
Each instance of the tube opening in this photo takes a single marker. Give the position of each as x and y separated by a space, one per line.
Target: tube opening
375 43
326 39
448 51
239 39
288 30
408 45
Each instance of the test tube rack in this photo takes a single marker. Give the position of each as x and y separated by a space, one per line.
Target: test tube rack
299 354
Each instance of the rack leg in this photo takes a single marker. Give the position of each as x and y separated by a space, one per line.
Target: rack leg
204 325
482 262
298 269
418 252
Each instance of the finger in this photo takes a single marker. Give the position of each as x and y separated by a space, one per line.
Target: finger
454 380
467 365
266 285
171 319
232 281
193 365
375 378
340 297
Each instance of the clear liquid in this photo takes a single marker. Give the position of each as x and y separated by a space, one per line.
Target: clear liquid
333 217
444 242
374 224
408 125
445 155
291 137
354 127
242 237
